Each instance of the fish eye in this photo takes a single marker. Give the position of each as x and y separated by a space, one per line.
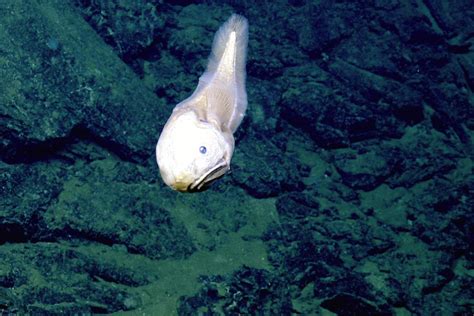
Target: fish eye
202 149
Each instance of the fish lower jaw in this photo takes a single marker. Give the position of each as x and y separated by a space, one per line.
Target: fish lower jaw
180 186
182 183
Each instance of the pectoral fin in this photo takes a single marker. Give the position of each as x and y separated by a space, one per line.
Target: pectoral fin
220 105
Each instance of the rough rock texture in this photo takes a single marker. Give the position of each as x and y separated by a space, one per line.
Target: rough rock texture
132 28
55 279
58 77
263 171
249 291
351 190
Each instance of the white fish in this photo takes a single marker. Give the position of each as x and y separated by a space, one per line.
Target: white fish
197 142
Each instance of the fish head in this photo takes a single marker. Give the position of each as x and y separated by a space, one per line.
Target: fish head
192 153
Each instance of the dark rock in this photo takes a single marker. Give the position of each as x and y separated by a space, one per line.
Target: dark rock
44 202
52 88
263 111
322 26
455 18
335 117
297 206
388 100
99 207
271 40
61 279
451 103
425 60
129 27
467 67
310 247
307 87
191 40
256 290
363 171
168 78
438 280
27 191
264 170
389 75
359 239
58 309
248 291
298 246
381 58
346 304
419 159
450 230
12 277
415 261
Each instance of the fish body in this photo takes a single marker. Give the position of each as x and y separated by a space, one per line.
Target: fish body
196 144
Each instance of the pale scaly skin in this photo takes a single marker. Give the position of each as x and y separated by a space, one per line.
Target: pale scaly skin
197 143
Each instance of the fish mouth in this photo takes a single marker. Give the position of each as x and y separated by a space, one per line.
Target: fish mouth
210 176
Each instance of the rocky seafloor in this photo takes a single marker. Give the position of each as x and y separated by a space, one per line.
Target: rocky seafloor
351 191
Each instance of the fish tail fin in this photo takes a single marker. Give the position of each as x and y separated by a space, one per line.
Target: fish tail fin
238 25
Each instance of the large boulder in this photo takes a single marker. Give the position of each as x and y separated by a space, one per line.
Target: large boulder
58 77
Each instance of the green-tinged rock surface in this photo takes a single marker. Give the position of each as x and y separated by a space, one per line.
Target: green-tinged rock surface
57 77
98 206
351 183
56 279
264 170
